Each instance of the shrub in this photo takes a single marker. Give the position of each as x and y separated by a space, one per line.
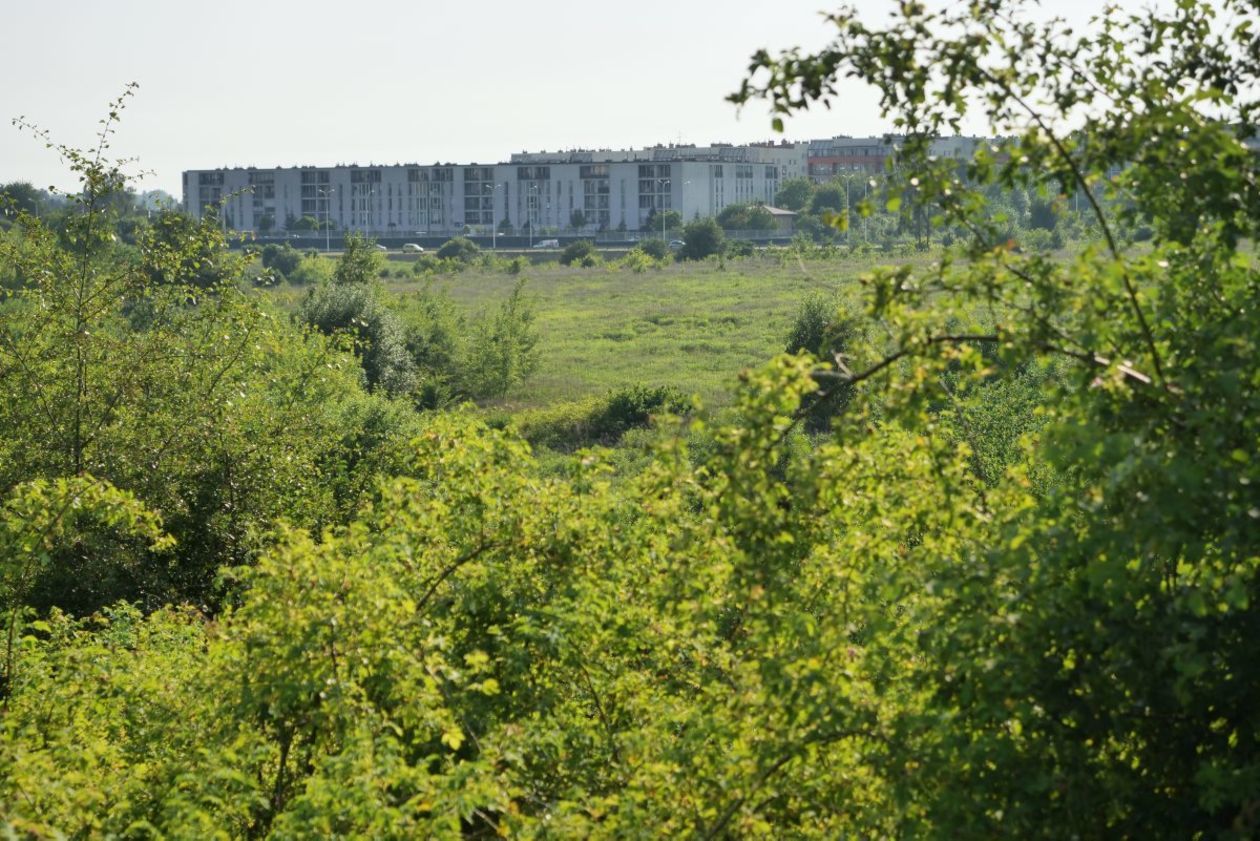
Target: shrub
701 238
501 350
578 252
634 406
459 248
637 261
657 249
311 271
379 336
282 258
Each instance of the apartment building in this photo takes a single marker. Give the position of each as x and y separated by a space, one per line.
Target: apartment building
839 155
600 189
584 190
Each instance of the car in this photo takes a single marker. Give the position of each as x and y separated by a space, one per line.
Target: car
676 243
547 243
382 248
412 248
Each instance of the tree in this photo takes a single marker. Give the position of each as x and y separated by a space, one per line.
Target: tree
829 198
701 238
746 217
672 218
360 262
380 340
1092 695
794 194
577 219
20 197
501 351
1044 213
148 367
305 223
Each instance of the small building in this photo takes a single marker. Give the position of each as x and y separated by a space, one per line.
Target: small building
784 220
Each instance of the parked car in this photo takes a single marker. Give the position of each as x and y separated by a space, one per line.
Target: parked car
547 243
676 243
382 248
412 248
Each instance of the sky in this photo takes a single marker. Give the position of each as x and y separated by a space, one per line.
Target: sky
279 83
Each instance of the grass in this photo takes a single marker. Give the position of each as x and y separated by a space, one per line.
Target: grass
692 326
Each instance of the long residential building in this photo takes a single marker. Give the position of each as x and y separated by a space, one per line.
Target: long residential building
578 190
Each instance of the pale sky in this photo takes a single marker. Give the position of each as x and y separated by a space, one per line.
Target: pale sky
269 83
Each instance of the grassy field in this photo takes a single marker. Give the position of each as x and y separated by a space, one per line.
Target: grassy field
694 326
689 325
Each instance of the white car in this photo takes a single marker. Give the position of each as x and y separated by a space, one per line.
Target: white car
412 248
547 243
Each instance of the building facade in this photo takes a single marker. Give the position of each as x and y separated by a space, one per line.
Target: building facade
580 191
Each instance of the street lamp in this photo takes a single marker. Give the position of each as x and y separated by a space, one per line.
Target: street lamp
326 192
529 211
662 182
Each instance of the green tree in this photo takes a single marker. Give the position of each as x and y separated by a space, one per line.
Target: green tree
794 194
672 218
831 197
502 349
1118 584
701 238
577 219
360 262
746 217
127 363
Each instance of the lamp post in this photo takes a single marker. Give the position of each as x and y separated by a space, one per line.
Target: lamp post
326 192
662 182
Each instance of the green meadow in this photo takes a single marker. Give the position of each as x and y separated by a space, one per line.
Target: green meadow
693 326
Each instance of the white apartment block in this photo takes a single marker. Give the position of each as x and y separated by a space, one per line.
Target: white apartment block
612 189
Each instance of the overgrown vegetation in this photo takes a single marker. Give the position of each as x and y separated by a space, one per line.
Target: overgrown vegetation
251 589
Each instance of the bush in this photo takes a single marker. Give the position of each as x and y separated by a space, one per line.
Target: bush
701 238
311 271
379 337
822 327
739 248
501 350
657 249
282 258
592 420
459 248
637 261
634 406
578 252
